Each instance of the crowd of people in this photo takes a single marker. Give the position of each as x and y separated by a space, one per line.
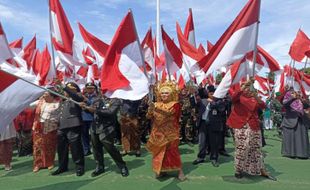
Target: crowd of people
86 122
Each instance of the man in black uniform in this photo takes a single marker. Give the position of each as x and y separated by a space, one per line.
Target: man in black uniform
69 131
216 117
103 131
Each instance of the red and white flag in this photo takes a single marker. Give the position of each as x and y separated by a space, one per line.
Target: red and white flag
97 47
15 96
263 85
62 35
300 46
47 70
148 50
190 56
209 46
17 46
28 53
189 30
121 76
234 75
238 39
5 51
7 59
173 55
201 49
264 59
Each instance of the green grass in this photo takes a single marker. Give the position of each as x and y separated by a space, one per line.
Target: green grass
291 173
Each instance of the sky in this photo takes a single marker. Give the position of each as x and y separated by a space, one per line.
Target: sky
280 19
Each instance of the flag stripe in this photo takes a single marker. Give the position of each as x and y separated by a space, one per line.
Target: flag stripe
6 80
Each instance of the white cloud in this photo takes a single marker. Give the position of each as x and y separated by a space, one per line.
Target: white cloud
24 21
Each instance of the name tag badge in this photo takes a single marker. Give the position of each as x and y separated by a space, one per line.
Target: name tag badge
214 112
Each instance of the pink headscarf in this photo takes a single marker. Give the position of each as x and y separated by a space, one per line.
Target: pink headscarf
296 105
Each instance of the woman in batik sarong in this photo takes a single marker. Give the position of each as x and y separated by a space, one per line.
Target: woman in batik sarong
45 132
245 122
7 139
164 138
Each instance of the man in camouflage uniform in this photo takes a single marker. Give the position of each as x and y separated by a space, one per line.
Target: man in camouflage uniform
187 116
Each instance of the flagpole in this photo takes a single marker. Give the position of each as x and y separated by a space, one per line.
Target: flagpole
51 36
302 78
157 25
142 56
45 89
188 71
256 39
293 73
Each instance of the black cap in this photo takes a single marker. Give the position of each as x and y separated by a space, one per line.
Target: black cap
211 88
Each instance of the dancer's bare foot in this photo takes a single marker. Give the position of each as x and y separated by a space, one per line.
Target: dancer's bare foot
181 176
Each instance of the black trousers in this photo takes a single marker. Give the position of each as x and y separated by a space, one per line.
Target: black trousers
215 131
108 143
215 140
203 140
70 137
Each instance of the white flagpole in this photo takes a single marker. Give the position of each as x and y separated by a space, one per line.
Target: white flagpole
302 77
293 73
256 40
51 37
45 89
157 26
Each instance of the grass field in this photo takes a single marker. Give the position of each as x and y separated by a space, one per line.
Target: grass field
291 173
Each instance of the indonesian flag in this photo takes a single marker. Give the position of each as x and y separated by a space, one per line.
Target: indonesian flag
209 45
96 47
5 51
36 62
28 53
264 59
91 71
190 56
234 75
17 46
7 59
15 96
47 70
181 82
148 50
121 76
289 77
160 62
262 84
305 81
201 49
62 35
300 46
238 39
189 31
173 55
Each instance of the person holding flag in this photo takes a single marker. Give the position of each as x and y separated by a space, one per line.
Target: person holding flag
245 122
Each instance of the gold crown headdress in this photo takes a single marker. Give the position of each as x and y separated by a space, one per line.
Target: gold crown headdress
169 86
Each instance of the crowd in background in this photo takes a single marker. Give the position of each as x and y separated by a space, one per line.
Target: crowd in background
93 123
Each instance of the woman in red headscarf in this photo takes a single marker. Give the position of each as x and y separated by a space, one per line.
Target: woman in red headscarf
248 138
